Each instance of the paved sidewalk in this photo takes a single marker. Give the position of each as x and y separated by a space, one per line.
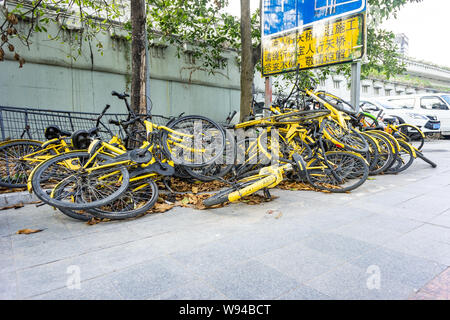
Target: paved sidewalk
390 239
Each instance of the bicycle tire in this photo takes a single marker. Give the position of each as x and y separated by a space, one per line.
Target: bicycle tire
404 159
221 167
359 175
342 138
183 123
14 172
385 153
77 178
395 147
146 189
372 154
410 134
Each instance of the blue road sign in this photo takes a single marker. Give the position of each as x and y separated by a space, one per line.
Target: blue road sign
284 15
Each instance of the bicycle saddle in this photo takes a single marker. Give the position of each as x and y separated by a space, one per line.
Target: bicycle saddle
53 132
81 139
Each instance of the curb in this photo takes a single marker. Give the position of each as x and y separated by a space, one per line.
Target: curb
15 198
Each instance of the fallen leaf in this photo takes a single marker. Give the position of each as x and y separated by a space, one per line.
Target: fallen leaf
161 207
28 231
14 206
93 221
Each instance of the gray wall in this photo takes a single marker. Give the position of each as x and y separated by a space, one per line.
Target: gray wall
51 80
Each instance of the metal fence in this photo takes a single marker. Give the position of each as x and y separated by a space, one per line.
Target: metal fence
28 123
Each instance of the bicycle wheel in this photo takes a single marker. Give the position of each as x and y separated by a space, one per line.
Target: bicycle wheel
249 157
404 159
394 144
371 155
350 168
348 139
140 196
78 186
221 166
196 141
81 215
385 153
411 134
14 169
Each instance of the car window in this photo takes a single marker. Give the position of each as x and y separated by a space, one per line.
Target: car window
406 103
367 106
446 98
433 103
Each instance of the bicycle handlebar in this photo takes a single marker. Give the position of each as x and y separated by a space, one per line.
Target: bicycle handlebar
123 123
120 95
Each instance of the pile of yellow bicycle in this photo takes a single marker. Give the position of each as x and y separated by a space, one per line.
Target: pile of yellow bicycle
320 142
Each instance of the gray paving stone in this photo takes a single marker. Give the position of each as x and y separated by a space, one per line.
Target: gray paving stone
49 233
7 263
442 219
211 258
96 289
106 239
178 241
422 247
426 207
126 255
5 245
332 218
338 246
390 222
195 290
47 277
149 279
304 293
436 233
8 285
251 280
47 252
365 232
351 282
409 270
300 262
256 243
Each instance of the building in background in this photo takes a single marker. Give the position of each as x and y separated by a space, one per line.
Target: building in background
402 44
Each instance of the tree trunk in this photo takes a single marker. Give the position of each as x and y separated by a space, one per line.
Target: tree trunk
246 60
138 66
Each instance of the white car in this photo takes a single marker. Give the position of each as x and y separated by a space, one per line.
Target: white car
427 123
434 104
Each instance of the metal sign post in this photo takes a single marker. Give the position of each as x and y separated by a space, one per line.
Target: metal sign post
356 84
267 94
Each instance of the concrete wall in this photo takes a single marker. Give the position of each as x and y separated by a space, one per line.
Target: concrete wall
52 80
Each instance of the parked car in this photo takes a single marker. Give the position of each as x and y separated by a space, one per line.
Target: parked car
434 104
427 123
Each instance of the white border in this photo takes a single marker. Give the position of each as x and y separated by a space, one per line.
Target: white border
309 24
